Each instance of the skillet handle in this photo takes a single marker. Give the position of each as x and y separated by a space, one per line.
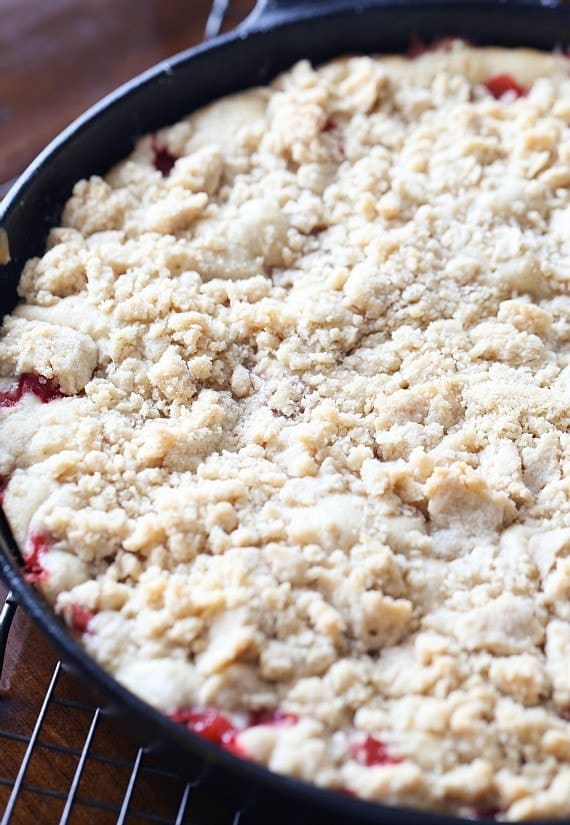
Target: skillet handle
268 13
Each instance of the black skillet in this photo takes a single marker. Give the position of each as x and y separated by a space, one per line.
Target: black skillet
278 33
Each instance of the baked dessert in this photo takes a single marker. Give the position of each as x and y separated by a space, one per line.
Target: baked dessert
284 426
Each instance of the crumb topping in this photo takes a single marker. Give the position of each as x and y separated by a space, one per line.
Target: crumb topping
303 478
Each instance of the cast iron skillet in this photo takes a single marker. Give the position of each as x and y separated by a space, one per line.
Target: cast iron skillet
278 33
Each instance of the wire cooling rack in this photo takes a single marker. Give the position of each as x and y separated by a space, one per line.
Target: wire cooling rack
57 805
76 791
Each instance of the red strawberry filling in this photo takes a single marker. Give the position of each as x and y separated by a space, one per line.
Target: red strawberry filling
345 792
162 158
211 724
487 813
417 46
28 384
500 84
373 752
3 485
80 618
217 728
272 717
330 124
33 569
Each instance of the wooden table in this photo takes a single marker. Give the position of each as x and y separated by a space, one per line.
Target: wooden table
57 57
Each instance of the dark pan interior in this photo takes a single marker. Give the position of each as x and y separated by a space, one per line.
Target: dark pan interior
105 135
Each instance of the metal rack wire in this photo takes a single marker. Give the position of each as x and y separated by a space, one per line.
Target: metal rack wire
78 796
71 797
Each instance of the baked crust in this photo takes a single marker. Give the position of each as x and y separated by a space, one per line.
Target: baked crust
313 453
